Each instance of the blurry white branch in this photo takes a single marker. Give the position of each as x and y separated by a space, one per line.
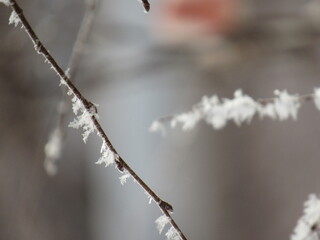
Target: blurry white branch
53 147
242 108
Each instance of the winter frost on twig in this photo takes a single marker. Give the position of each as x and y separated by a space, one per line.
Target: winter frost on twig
84 119
172 234
87 119
14 19
161 222
108 157
308 225
123 178
240 109
158 126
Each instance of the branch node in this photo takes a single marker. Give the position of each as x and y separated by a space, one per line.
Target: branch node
166 206
120 165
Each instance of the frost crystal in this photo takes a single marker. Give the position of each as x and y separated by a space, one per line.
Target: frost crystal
107 156
77 105
307 227
123 178
286 105
317 97
157 126
240 109
5 2
188 120
83 120
161 222
14 18
172 234
149 197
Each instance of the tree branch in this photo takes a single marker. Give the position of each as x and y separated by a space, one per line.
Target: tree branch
241 108
122 166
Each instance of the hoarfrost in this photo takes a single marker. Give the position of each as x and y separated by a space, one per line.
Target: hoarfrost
123 178
239 109
172 234
14 18
84 120
157 126
161 222
286 105
308 225
188 120
108 157
149 197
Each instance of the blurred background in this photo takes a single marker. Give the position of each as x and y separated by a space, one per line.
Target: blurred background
236 183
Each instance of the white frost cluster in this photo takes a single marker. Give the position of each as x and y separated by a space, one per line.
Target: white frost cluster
161 222
150 199
5 2
108 157
172 234
308 225
83 120
242 108
14 18
123 178
158 126
52 152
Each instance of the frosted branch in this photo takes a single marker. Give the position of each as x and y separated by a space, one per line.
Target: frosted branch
239 109
88 118
308 225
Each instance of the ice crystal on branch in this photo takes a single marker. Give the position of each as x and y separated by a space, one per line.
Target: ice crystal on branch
150 199
123 178
158 127
108 157
172 234
14 19
84 119
161 222
308 225
240 109
286 105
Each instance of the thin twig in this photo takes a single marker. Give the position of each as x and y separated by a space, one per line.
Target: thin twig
146 5
73 65
121 164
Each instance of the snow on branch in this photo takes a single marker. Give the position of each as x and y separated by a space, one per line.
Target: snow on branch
161 222
308 225
87 119
240 109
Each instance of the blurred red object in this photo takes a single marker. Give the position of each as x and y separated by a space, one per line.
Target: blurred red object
187 20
